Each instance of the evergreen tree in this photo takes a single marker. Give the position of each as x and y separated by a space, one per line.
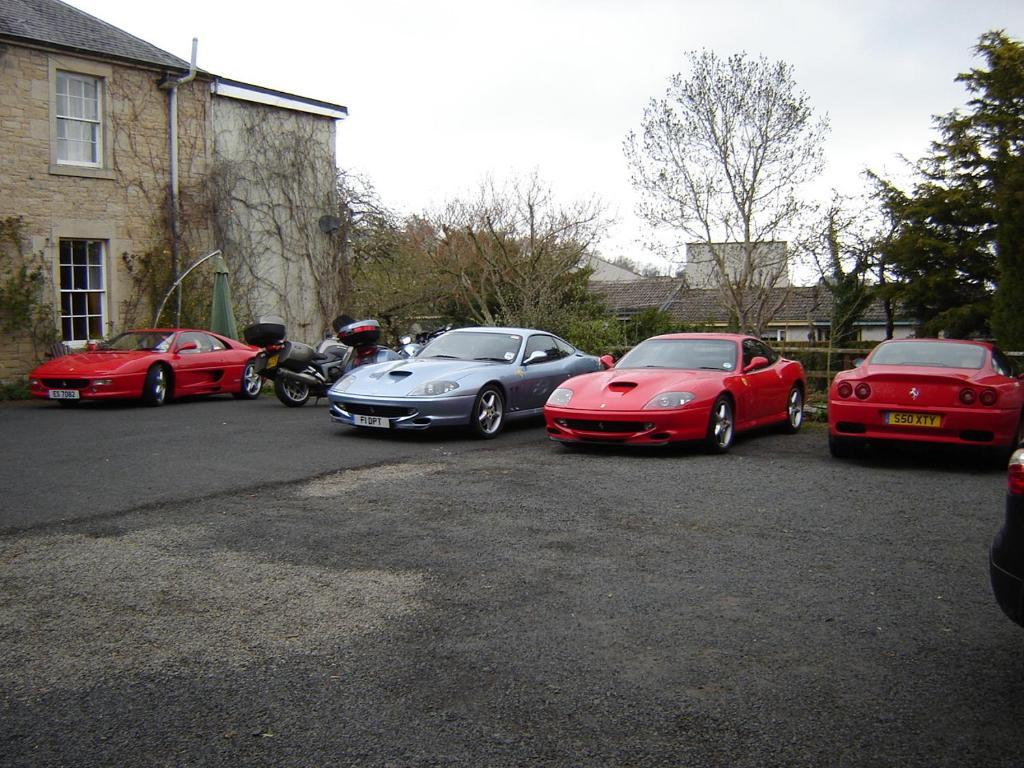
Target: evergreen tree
958 247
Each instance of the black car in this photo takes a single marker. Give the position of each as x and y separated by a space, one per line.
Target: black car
1006 558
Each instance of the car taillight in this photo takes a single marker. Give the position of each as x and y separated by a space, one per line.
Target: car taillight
967 396
988 397
863 391
845 389
1015 474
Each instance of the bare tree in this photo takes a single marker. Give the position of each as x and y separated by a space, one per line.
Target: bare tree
507 254
840 246
719 161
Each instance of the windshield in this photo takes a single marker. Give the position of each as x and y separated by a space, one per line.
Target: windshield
931 354
498 347
159 341
688 354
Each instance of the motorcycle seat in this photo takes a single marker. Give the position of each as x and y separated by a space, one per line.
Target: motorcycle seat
330 354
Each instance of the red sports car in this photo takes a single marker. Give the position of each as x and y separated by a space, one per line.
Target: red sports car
927 390
680 386
152 364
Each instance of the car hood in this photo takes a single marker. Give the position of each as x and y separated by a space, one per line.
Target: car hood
399 378
89 363
633 388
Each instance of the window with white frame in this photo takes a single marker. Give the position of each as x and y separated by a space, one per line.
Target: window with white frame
82 289
79 119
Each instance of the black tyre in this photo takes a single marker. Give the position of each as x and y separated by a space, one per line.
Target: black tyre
720 426
292 393
843 447
252 383
157 389
794 410
488 416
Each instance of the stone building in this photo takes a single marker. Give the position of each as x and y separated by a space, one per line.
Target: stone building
90 117
766 265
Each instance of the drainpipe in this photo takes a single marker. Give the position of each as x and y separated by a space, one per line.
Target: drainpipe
171 86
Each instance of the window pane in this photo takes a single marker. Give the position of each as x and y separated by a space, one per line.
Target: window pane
78 114
83 296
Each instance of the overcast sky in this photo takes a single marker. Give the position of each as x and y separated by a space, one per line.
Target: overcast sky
441 94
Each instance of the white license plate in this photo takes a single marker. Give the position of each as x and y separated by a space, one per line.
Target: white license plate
64 394
372 421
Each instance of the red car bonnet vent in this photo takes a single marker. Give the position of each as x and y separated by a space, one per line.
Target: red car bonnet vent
1015 474
622 386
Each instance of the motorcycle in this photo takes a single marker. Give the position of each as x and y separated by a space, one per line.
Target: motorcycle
412 344
299 371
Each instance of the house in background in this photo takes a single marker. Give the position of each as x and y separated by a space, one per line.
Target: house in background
805 311
92 117
708 263
605 271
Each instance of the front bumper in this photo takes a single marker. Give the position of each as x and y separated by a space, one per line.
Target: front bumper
120 388
648 427
409 413
960 426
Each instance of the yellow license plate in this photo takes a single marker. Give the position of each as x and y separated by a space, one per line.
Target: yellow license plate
271 361
899 419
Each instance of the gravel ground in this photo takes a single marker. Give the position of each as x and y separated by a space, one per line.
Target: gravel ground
522 604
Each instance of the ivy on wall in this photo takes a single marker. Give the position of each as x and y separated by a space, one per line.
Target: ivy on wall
25 287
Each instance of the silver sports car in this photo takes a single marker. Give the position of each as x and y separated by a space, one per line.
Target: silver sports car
474 376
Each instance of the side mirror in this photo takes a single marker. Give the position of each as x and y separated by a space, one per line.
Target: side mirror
607 361
188 346
758 362
537 356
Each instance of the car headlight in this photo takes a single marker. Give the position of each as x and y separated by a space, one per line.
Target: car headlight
670 400
343 384
560 396
434 388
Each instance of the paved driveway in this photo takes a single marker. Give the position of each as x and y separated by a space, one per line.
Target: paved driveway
380 600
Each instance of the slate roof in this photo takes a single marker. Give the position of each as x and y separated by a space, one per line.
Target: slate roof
61 26
625 295
699 306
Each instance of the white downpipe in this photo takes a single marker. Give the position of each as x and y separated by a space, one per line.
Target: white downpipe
172 108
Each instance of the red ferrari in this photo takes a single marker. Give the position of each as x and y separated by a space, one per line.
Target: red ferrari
154 365
680 386
927 390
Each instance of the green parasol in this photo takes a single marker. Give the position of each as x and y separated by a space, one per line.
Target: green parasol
222 319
